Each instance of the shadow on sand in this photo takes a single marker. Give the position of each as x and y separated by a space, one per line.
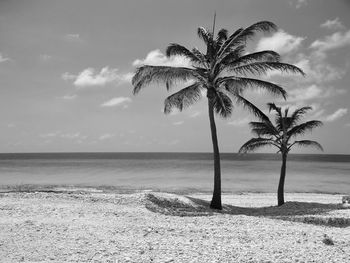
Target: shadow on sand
305 212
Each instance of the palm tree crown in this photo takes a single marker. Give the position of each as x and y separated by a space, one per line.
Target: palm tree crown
281 134
222 72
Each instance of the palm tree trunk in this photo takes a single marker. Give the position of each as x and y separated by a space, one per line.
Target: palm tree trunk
216 200
280 191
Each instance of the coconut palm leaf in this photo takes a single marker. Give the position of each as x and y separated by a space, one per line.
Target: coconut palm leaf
242 82
308 143
242 36
205 35
266 55
256 143
264 128
262 68
222 104
251 107
146 75
303 128
179 50
298 113
183 98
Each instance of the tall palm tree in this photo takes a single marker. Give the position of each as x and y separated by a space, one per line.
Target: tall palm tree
222 72
280 135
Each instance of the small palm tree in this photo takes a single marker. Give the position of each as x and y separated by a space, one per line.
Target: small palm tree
221 72
281 136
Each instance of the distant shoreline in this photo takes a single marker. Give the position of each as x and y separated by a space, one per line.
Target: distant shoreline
31 188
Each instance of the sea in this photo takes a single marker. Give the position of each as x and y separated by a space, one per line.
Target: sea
176 172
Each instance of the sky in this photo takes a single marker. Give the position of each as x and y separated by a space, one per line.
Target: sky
66 69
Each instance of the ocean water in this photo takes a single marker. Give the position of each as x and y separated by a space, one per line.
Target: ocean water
186 172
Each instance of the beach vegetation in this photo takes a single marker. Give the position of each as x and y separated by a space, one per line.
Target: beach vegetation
221 73
281 134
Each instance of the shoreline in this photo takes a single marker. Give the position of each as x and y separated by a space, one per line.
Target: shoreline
76 188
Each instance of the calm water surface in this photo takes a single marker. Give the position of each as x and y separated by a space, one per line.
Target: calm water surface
177 171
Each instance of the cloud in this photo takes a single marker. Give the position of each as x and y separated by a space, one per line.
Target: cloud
334 41
281 42
69 135
157 58
333 24
106 136
2 58
195 114
240 122
300 3
72 37
318 70
69 97
178 123
89 77
302 94
119 101
336 115
313 92
44 57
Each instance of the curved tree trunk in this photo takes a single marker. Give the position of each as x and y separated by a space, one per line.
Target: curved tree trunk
216 200
280 191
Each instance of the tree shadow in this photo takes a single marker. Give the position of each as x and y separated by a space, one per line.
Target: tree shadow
305 212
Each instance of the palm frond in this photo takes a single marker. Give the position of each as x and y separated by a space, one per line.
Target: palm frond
256 143
179 50
297 114
253 83
303 128
222 104
200 56
146 75
308 143
183 98
247 33
263 128
260 68
261 56
250 106
205 35
221 37
225 45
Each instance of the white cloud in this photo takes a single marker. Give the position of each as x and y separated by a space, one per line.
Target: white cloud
106 136
119 101
68 135
44 57
281 42
333 24
89 77
2 58
240 122
300 3
178 123
336 115
307 93
334 41
318 70
69 97
195 114
50 134
313 92
157 58
72 37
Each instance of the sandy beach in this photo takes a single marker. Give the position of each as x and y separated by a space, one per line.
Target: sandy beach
161 227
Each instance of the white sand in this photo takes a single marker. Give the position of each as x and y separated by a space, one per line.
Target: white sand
97 227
